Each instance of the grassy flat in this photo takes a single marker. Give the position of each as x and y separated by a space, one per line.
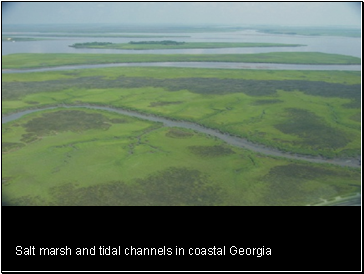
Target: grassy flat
30 60
296 111
89 157
177 45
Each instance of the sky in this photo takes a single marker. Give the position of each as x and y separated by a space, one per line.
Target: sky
186 13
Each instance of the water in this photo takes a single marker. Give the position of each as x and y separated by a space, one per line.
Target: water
229 139
336 45
213 65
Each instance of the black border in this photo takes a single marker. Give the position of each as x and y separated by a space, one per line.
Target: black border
300 238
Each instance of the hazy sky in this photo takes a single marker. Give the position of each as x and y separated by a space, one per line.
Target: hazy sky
227 13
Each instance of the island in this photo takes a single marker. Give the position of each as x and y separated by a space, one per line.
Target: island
168 44
20 39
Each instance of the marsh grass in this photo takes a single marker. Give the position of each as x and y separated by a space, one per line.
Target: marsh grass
300 184
9 146
170 187
343 77
64 120
94 167
160 104
179 133
180 186
251 108
33 60
312 130
29 137
210 151
267 102
207 86
356 117
148 45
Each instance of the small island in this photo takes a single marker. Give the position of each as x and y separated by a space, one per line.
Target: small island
20 39
90 44
168 44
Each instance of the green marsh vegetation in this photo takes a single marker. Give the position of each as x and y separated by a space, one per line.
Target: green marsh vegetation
27 60
103 158
295 111
78 156
92 157
90 44
168 44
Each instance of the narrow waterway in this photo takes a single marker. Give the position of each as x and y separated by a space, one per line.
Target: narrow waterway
210 65
229 139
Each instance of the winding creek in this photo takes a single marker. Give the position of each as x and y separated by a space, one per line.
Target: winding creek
335 45
229 139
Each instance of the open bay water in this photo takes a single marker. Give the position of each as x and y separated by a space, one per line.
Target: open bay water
350 46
